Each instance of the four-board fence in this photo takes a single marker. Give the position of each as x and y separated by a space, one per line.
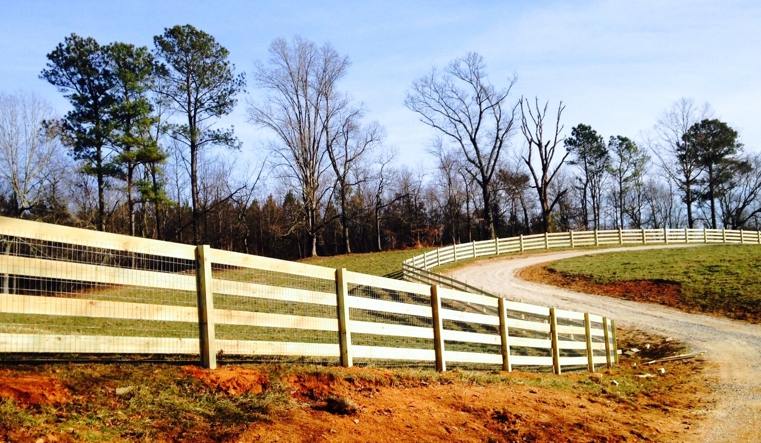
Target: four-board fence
72 291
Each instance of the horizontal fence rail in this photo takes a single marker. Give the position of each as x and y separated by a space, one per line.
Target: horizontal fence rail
73 291
574 239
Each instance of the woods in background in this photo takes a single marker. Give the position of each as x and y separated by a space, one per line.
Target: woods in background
141 152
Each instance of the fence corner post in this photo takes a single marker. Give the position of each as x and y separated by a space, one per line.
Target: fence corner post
342 307
438 326
504 335
588 336
554 341
606 337
205 293
614 341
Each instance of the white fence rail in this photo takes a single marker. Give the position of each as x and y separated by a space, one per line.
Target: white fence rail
574 239
67 290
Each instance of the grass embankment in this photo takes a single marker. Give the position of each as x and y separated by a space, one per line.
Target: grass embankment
714 279
144 402
375 263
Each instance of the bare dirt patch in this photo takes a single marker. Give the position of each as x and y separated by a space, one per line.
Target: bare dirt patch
32 390
652 291
231 380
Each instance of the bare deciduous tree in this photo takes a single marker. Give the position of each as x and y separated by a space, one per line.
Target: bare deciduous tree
300 78
461 104
27 150
545 148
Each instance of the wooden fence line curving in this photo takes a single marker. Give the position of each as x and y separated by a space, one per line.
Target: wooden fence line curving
75 291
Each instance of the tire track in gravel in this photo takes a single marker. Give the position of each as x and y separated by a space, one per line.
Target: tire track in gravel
735 346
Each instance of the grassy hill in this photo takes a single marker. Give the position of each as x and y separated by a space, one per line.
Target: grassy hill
376 263
719 279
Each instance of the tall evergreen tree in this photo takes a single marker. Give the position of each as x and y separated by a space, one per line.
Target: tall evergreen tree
590 154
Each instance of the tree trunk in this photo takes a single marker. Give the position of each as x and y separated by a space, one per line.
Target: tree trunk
488 219
345 222
100 219
711 194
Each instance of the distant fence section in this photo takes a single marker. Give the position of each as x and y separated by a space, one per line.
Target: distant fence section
68 291
554 240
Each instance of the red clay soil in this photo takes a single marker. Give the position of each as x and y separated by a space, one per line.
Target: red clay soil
32 390
652 291
514 412
231 380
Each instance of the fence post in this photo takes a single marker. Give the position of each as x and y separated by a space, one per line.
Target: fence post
597 239
546 240
205 307
473 244
572 242
665 235
758 235
606 336
344 333
620 236
504 335
454 251
614 340
705 235
644 241
742 237
590 351
438 325
496 245
686 235
438 258
723 235
521 241
554 341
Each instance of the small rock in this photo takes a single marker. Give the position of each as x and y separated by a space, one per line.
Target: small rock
614 382
634 365
632 351
356 421
662 371
124 390
597 378
645 376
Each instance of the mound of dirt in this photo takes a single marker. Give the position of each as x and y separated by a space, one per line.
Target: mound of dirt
32 390
231 380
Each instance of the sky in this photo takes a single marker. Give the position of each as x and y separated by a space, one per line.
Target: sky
617 65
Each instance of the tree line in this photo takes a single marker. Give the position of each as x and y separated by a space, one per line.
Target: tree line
138 153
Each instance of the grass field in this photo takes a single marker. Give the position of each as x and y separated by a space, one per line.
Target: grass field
722 279
376 263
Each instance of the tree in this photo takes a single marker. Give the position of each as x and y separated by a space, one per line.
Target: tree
714 144
543 174
461 104
591 156
300 78
80 68
201 84
27 151
740 197
132 118
627 166
679 159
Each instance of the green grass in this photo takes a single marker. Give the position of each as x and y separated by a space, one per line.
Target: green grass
725 279
375 263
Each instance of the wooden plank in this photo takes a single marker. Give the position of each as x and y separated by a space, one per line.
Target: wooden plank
389 353
342 308
530 360
566 329
527 308
253 347
240 260
504 335
35 267
269 320
438 326
374 328
386 283
573 361
206 334
474 357
95 239
525 342
607 342
393 307
77 307
529 325
471 337
599 359
572 345
588 337
467 297
614 341
469 317
554 341
254 290
96 344
570 315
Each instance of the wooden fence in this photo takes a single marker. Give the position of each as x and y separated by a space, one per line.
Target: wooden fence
621 237
72 291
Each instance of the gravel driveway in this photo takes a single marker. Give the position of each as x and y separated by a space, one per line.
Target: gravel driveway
734 345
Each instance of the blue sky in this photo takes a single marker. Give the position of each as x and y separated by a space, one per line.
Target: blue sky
616 64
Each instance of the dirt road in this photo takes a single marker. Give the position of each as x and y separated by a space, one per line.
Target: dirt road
734 345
